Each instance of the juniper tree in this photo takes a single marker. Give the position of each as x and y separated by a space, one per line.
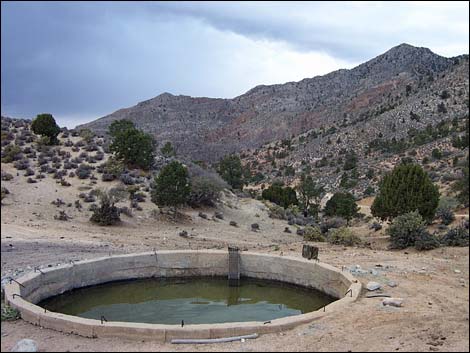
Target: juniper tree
172 187
461 186
231 170
131 145
280 195
167 150
309 192
406 189
45 125
342 204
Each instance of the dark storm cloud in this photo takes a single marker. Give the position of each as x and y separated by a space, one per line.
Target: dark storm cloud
81 60
255 20
346 30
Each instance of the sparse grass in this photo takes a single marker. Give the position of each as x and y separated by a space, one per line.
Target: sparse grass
9 313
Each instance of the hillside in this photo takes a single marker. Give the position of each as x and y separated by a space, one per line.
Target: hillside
373 97
433 284
430 116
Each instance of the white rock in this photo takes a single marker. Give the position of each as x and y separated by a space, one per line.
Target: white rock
373 286
392 284
457 271
393 301
25 345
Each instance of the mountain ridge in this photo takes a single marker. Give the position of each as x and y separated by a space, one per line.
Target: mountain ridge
208 128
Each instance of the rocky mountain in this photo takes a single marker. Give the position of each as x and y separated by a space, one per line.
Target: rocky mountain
387 95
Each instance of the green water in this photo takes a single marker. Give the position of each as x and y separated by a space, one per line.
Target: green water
195 300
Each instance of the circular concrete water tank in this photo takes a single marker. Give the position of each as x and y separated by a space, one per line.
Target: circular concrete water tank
36 286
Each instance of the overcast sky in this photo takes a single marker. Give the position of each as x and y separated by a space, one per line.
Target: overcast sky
80 61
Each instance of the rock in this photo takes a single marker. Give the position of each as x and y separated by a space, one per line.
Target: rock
374 272
233 223
392 284
373 286
457 271
255 227
287 230
218 215
25 345
356 270
202 215
397 302
300 232
183 234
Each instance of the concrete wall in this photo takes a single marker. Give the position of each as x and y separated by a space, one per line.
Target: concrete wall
53 281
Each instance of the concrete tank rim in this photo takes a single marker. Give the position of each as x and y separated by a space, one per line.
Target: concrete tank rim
91 327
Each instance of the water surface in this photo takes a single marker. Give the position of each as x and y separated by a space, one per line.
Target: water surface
194 300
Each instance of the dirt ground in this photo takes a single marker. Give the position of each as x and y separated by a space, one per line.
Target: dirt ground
434 284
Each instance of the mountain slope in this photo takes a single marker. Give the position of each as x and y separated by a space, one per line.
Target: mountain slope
206 128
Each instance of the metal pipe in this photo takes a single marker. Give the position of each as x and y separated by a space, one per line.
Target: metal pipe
14 280
214 340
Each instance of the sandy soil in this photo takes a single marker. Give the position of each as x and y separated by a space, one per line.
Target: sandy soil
434 284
